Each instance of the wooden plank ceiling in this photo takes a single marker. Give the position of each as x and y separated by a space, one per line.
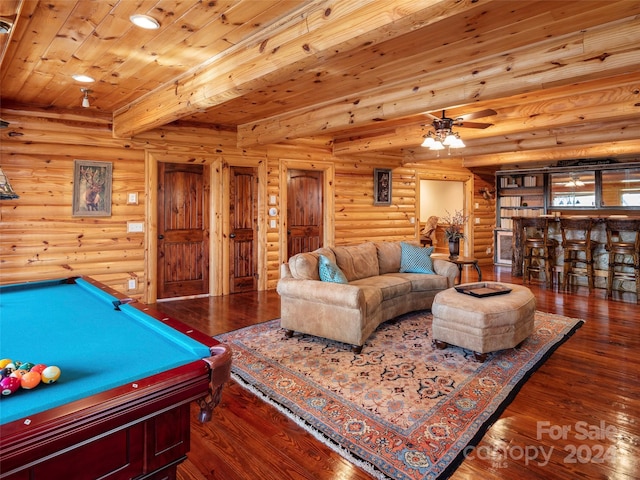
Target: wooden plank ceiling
562 76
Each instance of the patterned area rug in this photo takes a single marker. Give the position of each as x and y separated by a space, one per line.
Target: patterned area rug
401 409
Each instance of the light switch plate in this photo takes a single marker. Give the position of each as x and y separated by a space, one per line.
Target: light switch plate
132 198
135 227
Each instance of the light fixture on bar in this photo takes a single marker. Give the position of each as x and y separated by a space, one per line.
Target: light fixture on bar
85 98
145 21
443 135
574 181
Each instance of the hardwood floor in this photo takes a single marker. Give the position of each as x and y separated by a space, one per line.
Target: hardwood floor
589 389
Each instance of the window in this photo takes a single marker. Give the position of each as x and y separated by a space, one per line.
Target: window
573 190
621 188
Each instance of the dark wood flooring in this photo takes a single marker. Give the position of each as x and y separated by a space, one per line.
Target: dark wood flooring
577 417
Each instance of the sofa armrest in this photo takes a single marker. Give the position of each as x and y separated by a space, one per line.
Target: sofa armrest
446 269
338 294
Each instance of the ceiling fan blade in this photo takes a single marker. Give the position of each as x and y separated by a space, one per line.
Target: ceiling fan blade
482 113
432 117
473 124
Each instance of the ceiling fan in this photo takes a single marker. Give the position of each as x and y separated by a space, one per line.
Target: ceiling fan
444 136
462 120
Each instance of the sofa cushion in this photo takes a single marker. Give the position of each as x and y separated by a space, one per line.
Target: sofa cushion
389 286
305 265
357 261
415 259
423 283
329 271
388 257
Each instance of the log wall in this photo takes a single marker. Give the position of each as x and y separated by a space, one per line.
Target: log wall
40 239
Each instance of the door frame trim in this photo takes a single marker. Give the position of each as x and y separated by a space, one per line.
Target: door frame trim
468 185
152 158
261 167
328 200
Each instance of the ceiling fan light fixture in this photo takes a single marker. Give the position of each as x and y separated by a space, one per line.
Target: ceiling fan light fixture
449 139
442 135
145 21
457 142
428 141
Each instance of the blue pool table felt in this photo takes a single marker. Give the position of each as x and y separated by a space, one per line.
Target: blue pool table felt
77 328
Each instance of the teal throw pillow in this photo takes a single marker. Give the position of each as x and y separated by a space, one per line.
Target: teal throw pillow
329 271
415 259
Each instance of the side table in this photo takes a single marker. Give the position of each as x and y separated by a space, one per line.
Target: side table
461 262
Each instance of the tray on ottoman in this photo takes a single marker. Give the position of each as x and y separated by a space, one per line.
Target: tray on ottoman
483 289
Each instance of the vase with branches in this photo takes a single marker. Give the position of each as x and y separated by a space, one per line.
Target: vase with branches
454 230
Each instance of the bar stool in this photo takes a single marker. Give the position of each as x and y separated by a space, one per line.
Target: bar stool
539 249
623 245
576 240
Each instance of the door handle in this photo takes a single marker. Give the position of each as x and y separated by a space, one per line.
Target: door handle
233 235
160 237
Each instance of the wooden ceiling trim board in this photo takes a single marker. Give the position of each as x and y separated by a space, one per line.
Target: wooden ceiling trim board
525 70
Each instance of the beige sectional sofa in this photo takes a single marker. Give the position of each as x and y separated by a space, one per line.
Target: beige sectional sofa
376 291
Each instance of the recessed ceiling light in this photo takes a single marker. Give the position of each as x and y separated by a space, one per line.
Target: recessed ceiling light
145 21
82 78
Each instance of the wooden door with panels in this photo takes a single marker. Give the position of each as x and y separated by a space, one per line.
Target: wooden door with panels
305 214
183 230
243 229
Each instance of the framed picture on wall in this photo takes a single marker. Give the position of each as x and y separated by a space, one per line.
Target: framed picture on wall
381 186
92 188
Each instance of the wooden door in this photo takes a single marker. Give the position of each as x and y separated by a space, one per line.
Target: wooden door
305 214
183 230
243 229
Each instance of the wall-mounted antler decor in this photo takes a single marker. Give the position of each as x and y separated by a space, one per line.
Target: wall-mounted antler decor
487 194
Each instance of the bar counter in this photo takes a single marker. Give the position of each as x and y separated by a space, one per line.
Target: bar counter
598 236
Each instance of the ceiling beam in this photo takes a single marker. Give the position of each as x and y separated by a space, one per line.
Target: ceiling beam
600 52
317 29
617 97
622 149
583 135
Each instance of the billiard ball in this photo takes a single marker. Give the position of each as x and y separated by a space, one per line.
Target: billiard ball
9 385
26 366
38 368
6 372
50 374
18 373
4 362
30 380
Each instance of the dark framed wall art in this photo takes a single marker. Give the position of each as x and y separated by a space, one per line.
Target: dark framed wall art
381 186
92 188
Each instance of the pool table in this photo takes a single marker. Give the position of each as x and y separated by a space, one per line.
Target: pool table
121 407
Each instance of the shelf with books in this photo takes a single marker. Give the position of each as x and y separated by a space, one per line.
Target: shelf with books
519 195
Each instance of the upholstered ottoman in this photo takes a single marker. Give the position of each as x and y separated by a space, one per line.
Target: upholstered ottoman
484 324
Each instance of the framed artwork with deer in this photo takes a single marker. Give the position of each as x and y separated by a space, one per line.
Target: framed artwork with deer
92 188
